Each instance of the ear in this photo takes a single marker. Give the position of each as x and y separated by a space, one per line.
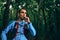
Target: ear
18 14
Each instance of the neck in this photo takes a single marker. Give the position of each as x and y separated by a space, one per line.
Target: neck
20 19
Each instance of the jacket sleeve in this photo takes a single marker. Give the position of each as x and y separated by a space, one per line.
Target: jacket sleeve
5 31
31 29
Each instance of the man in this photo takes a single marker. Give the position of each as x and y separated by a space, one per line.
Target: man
22 20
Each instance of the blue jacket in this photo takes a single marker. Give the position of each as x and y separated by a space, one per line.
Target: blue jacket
19 36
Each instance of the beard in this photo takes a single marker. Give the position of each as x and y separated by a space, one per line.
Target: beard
21 18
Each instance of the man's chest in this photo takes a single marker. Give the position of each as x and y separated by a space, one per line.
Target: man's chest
20 26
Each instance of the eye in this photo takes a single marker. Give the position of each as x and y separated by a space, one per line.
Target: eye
22 12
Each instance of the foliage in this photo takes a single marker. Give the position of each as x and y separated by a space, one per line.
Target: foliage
44 15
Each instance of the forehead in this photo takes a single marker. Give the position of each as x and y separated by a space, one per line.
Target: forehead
23 10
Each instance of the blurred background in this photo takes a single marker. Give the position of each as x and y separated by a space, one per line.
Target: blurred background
44 15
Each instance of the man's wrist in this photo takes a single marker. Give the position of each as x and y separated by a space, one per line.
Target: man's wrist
29 22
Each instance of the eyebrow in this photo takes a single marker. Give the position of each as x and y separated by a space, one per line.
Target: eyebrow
22 12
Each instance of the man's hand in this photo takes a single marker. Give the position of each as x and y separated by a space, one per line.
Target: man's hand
27 19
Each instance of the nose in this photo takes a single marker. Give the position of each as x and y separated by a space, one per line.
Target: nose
24 15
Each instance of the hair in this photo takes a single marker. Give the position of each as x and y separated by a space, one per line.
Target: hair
21 9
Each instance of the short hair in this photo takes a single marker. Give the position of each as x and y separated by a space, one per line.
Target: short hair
21 9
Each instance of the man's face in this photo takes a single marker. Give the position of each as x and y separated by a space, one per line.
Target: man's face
22 14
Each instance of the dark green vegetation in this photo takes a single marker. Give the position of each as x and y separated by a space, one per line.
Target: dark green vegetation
44 14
